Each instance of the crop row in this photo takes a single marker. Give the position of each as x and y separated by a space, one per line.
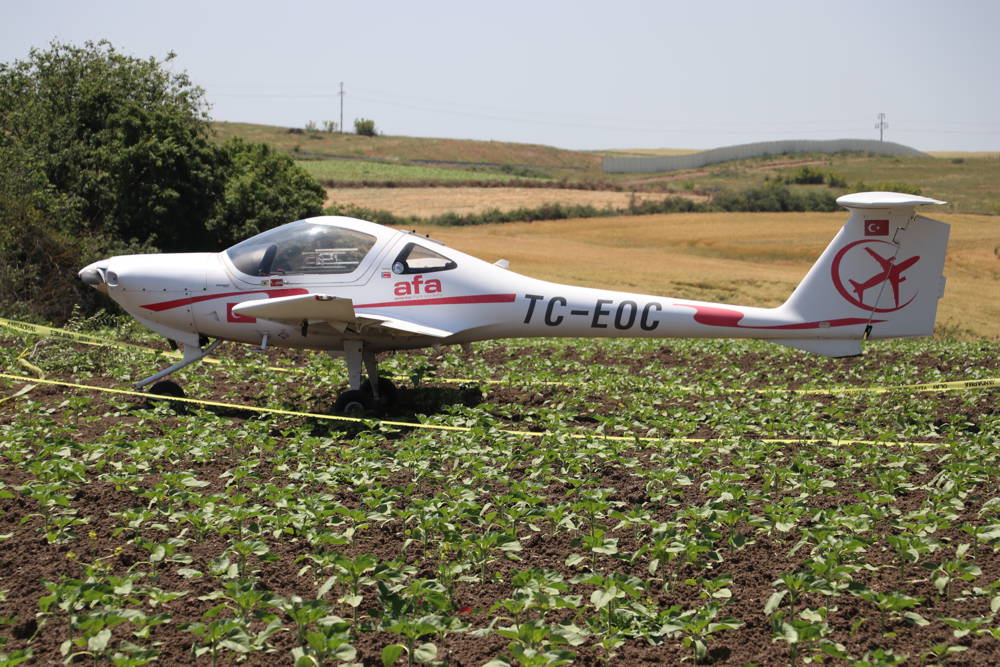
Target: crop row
134 533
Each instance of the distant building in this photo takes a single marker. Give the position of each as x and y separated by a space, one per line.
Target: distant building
655 164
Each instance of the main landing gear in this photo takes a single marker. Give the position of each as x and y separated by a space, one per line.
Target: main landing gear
363 396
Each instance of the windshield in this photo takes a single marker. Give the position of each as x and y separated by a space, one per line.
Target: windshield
418 259
301 247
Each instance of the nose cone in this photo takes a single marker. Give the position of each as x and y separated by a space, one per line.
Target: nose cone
179 272
149 273
95 275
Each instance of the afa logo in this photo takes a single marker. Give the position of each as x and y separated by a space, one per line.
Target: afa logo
417 286
866 291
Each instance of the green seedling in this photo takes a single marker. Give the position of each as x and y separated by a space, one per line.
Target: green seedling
697 626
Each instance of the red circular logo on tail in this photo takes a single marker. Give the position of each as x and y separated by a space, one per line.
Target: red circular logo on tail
864 292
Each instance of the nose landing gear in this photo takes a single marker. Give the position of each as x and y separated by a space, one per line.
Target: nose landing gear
192 353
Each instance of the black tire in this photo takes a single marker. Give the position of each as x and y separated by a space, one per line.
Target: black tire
353 403
166 388
386 391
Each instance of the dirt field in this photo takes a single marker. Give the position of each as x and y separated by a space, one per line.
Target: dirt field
426 202
750 258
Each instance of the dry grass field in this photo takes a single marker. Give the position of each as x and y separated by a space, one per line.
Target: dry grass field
426 202
411 148
749 258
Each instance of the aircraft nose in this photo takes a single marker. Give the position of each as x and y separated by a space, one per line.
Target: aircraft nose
95 275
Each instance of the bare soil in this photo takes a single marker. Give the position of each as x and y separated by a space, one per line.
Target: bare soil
27 559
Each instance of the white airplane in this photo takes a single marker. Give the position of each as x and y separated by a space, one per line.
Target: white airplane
356 288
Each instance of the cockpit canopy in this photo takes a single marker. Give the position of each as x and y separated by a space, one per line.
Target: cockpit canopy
302 247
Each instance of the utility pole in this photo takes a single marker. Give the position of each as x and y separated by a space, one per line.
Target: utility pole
341 107
881 125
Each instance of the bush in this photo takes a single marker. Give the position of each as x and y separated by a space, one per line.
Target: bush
836 180
124 139
806 175
104 154
888 186
261 189
365 127
773 197
41 247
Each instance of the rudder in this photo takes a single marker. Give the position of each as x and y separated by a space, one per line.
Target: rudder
884 266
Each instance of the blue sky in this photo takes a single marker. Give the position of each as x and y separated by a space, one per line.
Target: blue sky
584 74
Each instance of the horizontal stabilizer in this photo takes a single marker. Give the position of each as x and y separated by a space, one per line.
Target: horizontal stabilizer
828 347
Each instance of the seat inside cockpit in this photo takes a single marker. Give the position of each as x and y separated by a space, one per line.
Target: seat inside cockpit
302 247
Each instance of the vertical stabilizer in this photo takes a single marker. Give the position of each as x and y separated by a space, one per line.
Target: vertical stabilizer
885 266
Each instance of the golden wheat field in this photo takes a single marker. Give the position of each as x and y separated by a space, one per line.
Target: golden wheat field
749 258
427 202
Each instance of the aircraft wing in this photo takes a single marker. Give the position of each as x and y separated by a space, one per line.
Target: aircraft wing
337 312
403 326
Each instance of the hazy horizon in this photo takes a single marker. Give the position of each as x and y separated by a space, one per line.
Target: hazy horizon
579 75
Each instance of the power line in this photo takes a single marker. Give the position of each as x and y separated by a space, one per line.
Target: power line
881 125
341 107
606 123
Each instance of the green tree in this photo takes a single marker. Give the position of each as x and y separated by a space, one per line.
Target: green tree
101 154
262 189
123 139
365 127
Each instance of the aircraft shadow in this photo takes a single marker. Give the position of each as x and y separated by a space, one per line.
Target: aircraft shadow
409 403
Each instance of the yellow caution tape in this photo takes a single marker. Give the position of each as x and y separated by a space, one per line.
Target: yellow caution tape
30 366
86 339
951 385
446 427
39 330
28 387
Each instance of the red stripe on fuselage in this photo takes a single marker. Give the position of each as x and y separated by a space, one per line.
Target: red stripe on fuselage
725 317
293 291
187 301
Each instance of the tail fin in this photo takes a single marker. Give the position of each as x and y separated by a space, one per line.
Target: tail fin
883 270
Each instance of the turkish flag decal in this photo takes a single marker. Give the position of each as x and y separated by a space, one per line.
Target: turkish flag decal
876 227
236 317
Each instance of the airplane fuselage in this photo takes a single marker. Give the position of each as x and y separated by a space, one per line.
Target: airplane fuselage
195 294
356 287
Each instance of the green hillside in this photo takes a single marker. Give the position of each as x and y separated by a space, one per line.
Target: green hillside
969 184
967 181
318 144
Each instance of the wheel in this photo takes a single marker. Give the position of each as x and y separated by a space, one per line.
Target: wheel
353 403
167 388
386 391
